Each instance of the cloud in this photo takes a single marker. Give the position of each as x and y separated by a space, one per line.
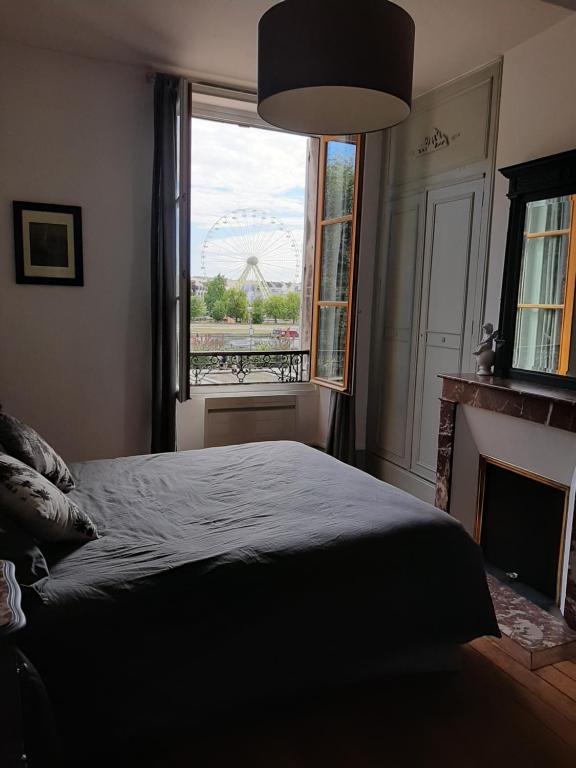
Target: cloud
233 168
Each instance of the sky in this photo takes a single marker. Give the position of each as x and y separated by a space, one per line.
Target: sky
261 173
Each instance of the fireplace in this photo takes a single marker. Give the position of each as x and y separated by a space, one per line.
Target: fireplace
521 522
507 472
489 428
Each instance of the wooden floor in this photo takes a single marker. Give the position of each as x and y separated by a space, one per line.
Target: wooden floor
493 713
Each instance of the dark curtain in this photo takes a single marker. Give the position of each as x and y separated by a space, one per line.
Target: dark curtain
341 441
163 265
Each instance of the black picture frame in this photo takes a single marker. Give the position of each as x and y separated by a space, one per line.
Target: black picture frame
48 244
546 177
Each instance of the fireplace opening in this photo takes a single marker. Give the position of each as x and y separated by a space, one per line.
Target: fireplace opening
520 524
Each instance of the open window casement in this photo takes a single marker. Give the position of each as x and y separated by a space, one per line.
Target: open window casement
337 236
184 108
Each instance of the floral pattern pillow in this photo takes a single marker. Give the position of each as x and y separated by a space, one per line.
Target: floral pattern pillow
34 503
24 443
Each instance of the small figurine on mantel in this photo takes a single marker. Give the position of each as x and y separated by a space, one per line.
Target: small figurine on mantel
485 353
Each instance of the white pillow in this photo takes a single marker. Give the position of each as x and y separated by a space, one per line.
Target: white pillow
35 503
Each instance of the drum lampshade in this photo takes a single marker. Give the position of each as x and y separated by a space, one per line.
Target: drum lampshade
335 66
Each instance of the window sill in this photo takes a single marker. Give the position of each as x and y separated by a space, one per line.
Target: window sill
202 391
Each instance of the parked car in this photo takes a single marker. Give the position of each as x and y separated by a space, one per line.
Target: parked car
286 333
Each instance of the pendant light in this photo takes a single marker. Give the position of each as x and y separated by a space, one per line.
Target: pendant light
335 66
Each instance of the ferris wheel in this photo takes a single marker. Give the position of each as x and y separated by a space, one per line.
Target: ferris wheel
253 248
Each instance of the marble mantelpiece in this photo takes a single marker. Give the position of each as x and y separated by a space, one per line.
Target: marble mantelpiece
525 400
549 406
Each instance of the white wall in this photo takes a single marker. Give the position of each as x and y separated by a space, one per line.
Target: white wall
537 118
74 362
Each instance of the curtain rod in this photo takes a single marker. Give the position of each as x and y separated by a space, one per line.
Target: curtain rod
205 86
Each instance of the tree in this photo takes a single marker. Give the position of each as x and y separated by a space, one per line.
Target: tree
276 307
292 306
236 303
197 307
218 310
258 310
215 291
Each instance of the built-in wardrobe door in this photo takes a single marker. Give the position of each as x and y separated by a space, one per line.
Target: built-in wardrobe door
403 241
451 252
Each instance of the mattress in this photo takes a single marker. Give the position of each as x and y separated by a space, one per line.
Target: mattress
250 556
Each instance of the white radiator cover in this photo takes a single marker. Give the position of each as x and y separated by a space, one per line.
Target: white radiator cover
234 420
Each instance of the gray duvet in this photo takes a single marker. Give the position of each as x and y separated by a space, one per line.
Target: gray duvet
229 573
265 529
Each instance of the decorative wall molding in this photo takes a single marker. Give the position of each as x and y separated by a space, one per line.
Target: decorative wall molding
443 134
434 141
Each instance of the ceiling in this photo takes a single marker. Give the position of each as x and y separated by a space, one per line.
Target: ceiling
216 39
565 3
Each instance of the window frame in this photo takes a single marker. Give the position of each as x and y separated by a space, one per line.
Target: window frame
346 386
567 305
183 160
225 105
566 340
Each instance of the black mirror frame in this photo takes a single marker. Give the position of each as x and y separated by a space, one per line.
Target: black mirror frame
546 177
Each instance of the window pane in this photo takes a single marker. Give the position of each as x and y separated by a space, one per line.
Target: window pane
335 263
543 275
537 343
177 247
548 215
330 355
178 151
339 182
248 221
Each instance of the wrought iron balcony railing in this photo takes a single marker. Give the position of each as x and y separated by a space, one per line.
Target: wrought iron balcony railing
275 367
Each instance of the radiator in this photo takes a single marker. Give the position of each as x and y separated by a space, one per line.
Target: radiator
229 421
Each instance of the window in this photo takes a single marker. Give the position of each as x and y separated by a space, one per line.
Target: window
248 202
271 219
547 284
335 267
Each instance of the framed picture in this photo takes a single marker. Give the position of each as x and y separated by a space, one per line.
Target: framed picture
48 244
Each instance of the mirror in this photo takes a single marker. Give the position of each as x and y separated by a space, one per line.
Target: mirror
537 337
544 334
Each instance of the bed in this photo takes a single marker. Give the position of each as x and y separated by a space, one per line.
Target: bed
239 570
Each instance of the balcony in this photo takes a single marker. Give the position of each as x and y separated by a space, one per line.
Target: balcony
271 367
